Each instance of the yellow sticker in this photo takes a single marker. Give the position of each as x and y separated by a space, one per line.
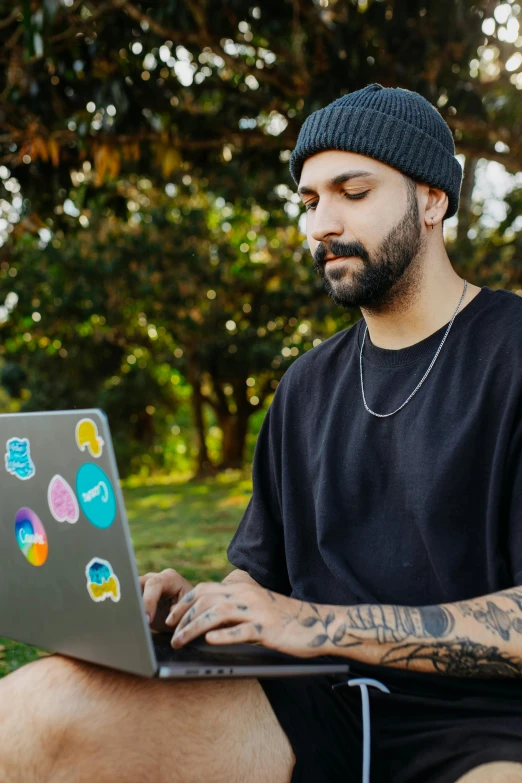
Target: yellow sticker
87 437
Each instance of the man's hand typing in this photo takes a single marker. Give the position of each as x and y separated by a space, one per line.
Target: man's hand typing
231 613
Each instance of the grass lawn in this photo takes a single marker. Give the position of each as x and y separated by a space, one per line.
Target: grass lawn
176 524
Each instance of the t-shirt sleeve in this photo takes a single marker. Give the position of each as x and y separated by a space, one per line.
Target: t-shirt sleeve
258 545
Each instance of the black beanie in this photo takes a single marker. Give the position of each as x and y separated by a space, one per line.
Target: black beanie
396 126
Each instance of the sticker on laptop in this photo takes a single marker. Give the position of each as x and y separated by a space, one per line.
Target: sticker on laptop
87 437
62 500
96 495
102 582
18 460
31 536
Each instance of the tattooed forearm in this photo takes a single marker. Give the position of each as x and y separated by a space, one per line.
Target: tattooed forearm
500 612
441 638
352 626
396 623
459 658
314 618
481 637
515 595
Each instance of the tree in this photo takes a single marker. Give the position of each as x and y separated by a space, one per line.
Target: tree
145 150
207 300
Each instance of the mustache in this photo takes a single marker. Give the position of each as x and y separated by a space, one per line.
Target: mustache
340 249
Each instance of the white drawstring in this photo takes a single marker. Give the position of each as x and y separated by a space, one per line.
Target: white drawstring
363 683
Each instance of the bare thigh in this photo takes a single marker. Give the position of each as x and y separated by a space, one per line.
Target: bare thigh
62 720
495 772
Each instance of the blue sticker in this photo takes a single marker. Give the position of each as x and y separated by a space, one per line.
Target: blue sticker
102 582
96 495
18 460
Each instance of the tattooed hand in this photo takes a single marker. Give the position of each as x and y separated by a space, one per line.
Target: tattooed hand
426 638
231 613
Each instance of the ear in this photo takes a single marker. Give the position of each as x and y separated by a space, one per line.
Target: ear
436 206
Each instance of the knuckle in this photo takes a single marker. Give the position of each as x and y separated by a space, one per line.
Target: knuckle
186 620
219 610
206 605
190 615
153 579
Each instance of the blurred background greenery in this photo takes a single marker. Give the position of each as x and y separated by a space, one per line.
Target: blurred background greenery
153 260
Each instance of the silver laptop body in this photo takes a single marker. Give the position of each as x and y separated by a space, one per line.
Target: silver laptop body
68 576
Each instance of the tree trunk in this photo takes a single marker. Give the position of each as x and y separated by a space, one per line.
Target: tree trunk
204 468
235 428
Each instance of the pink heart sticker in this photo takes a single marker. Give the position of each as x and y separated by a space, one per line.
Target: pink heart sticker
62 500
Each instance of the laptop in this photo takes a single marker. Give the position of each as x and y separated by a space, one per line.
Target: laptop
68 576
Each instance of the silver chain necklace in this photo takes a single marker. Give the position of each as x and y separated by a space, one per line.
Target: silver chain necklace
416 389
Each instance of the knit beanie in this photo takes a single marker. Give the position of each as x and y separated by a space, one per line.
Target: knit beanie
396 126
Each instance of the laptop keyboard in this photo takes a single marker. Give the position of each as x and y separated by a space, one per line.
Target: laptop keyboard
233 654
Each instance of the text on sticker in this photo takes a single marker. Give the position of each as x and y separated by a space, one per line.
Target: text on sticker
31 538
100 489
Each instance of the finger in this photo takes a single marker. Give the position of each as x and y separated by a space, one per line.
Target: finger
189 615
201 589
201 605
152 592
213 617
143 579
246 632
204 604
182 608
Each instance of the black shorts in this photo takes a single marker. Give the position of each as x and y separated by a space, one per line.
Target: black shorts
429 728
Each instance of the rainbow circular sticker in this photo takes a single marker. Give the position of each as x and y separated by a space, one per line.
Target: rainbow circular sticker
31 536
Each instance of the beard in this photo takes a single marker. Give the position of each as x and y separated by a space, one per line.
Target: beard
388 276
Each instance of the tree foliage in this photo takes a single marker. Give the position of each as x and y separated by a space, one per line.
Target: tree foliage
152 224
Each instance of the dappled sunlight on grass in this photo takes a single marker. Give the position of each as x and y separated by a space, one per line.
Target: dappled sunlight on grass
133 482
198 490
155 501
174 524
234 500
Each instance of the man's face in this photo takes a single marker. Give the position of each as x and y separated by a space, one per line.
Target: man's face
366 212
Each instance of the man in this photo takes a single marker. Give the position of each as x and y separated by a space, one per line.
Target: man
384 525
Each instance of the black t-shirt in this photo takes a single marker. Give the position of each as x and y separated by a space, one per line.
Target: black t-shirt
419 508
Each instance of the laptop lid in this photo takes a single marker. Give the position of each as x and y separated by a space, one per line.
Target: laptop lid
68 577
